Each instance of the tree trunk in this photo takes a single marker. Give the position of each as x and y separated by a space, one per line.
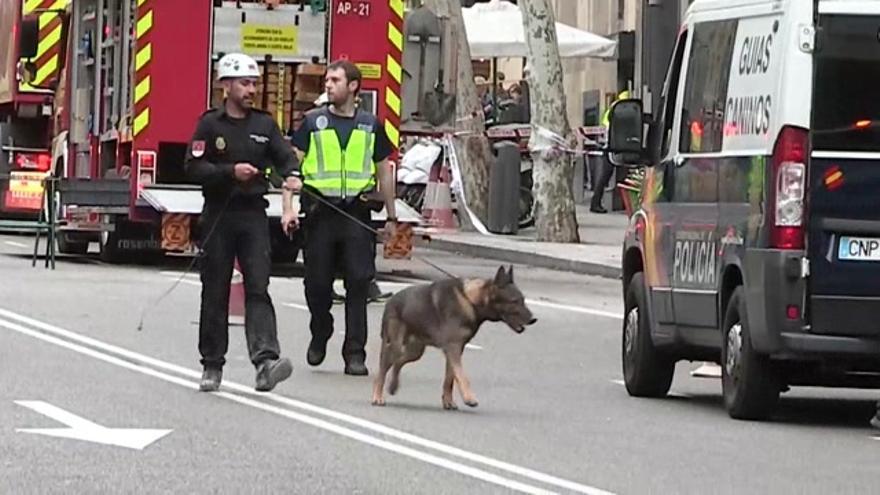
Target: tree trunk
472 146
553 171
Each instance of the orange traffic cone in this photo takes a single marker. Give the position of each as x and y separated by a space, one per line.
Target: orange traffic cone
236 296
437 208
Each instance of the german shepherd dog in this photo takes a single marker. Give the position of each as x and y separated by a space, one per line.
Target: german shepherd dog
446 314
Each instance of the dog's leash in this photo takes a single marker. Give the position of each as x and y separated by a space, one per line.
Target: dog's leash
267 174
357 221
189 268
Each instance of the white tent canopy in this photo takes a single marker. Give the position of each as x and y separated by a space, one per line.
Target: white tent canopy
495 29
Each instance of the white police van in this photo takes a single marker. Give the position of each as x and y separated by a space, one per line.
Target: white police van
756 242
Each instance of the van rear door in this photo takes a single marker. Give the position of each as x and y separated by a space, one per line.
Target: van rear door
843 240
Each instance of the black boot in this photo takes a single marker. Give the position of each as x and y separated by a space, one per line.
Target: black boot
374 294
356 367
271 372
317 352
337 299
211 378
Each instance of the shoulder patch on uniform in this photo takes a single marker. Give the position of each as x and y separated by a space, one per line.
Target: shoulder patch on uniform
322 122
198 148
315 112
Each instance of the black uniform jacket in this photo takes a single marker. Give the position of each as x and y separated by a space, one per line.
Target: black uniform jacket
220 141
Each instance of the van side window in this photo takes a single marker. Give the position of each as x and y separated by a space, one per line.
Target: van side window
670 90
705 92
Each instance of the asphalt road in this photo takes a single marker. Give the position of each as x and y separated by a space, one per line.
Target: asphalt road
553 415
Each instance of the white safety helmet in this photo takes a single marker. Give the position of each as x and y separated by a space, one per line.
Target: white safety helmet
322 100
237 65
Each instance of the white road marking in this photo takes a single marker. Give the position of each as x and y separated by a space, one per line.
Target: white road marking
535 302
670 394
305 406
707 370
176 274
82 429
15 244
296 306
306 309
303 418
575 309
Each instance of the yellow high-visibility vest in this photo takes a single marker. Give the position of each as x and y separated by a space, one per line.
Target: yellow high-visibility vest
336 172
606 115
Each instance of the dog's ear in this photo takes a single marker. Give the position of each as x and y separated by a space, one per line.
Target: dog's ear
510 274
501 278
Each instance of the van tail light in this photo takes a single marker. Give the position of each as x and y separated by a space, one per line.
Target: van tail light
789 174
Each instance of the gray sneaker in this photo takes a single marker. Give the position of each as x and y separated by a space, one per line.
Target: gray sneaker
271 372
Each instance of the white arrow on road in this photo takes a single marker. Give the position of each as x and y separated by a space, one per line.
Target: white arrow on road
83 429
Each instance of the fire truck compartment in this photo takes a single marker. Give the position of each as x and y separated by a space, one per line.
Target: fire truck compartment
184 199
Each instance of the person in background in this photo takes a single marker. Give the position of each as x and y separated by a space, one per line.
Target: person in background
607 169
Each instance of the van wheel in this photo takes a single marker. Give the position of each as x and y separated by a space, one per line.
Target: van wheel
646 371
749 382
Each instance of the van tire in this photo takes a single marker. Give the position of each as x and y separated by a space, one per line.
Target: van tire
646 371
749 382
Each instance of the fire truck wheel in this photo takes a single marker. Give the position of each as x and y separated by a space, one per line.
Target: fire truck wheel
110 252
66 246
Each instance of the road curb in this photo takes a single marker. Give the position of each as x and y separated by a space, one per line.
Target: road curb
531 259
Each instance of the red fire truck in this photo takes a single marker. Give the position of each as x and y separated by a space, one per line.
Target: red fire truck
113 89
26 109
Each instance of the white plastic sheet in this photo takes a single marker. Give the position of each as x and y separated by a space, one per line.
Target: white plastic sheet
495 29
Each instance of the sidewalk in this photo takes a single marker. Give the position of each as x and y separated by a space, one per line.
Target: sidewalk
599 252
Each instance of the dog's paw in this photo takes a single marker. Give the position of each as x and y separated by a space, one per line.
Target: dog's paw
393 387
378 402
472 402
449 405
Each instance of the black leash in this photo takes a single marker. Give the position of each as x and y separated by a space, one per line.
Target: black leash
369 228
267 174
189 268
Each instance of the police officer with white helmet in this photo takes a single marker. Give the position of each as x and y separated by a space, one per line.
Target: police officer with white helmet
231 154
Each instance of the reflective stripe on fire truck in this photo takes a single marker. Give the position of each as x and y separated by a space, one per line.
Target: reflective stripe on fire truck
49 47
142 58
392 65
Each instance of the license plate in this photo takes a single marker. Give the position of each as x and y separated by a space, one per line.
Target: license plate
859 249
